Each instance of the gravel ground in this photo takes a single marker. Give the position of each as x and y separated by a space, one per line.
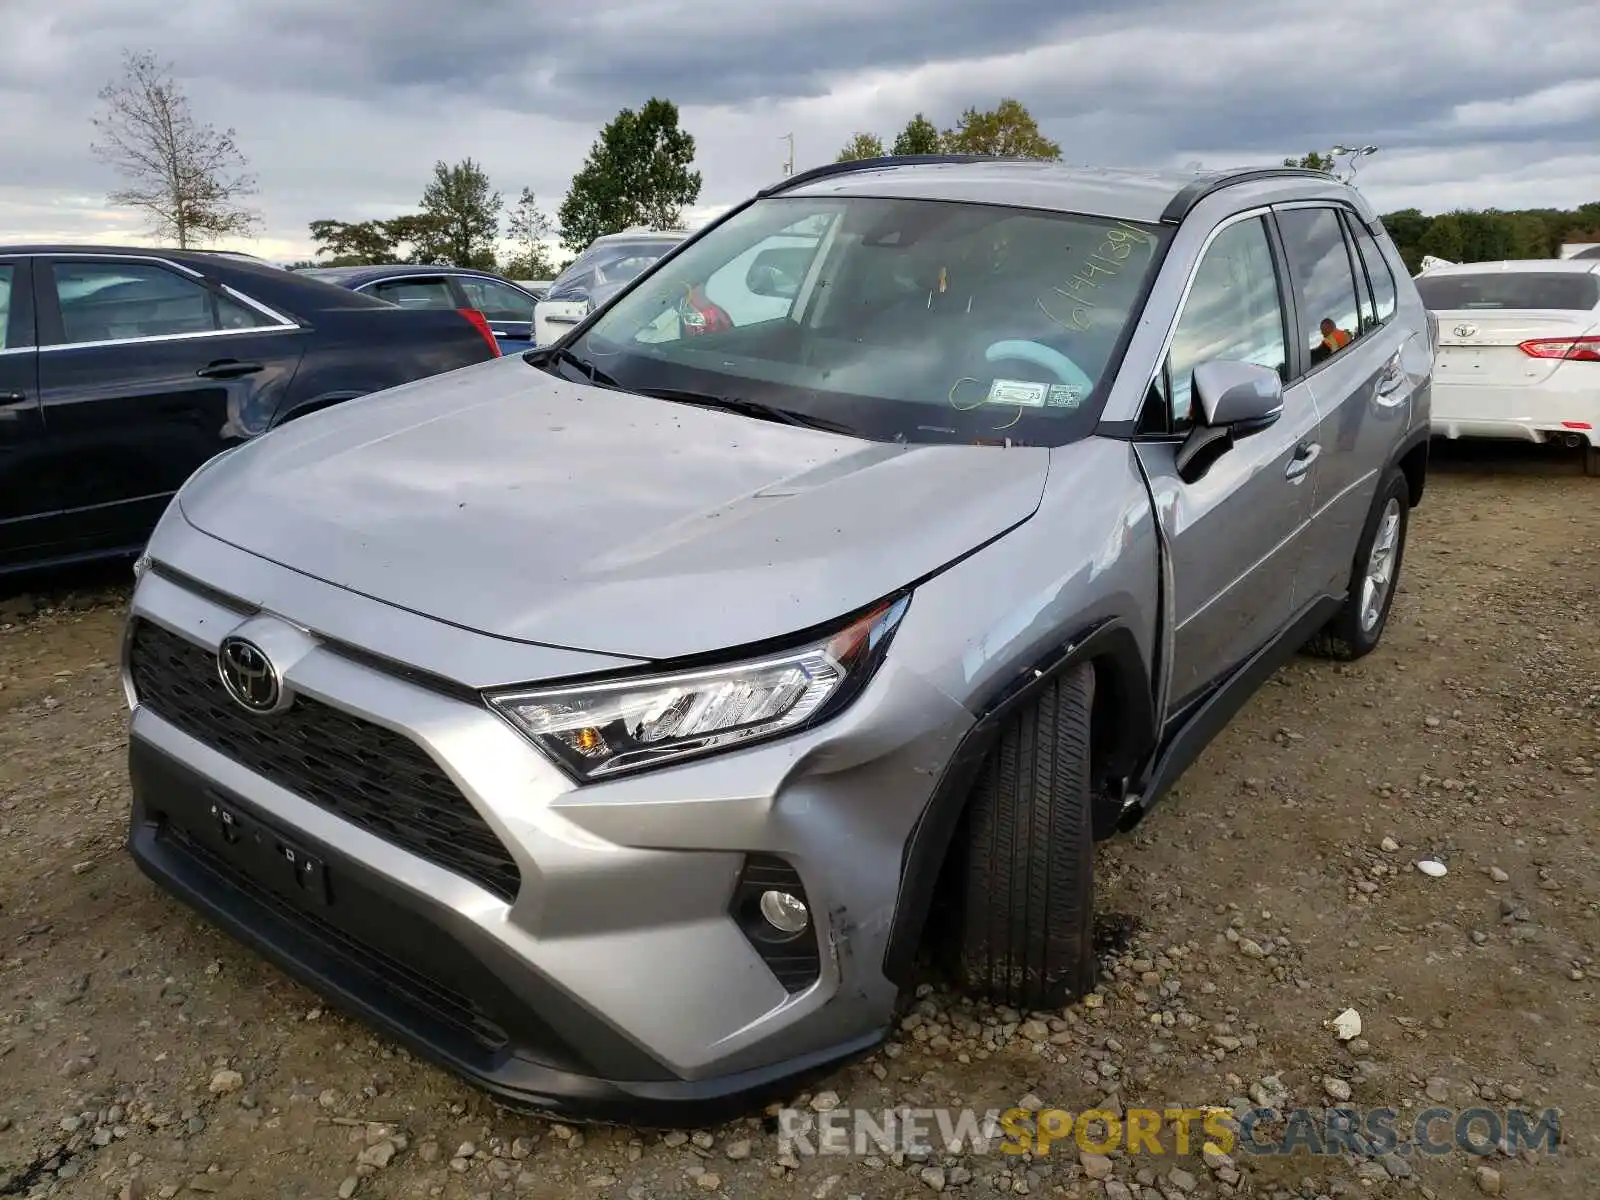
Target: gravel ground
143 1054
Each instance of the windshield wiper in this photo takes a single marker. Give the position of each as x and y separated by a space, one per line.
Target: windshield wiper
596 375
750 408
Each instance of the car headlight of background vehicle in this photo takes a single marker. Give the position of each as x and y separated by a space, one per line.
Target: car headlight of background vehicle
615 727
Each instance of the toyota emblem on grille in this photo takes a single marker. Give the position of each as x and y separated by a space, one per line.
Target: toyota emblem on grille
249 675
1465 330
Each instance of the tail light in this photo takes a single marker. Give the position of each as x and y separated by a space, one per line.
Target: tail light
1574 349
481 324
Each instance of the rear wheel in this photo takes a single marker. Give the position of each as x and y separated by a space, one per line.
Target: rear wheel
1374 577
1026 935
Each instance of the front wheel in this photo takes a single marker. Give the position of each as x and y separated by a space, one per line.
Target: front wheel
1375 577
1026 934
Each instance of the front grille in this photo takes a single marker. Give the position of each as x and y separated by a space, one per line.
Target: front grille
373 777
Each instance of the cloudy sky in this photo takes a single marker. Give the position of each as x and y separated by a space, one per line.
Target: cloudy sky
344 105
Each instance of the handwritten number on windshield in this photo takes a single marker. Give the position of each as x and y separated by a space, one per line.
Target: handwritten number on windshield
1105 261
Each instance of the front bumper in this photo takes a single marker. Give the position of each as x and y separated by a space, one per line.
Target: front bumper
598 968
419 972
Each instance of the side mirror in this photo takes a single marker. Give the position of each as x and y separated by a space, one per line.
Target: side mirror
1235 400
774 272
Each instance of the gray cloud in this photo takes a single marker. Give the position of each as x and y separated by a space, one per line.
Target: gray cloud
343 107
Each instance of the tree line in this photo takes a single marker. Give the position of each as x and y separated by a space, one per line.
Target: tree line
638 172
1006 131
1478 235
192 183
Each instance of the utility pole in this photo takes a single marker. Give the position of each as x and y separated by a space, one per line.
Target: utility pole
788 166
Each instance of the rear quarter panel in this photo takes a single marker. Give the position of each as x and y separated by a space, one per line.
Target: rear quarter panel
356 351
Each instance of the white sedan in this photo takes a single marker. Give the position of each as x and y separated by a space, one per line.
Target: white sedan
1519 351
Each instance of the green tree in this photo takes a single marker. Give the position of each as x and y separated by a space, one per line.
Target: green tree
920 136
1315 161
187 178
863 145
1446 238
638 173
1006 131
530 228
413 237
462 216
353 244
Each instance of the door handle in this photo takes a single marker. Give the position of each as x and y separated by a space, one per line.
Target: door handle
12 398
228 368
1304 455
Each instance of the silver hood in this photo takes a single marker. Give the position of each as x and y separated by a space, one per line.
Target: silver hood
500 499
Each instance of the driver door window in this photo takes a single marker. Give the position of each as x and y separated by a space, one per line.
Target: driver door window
1234 311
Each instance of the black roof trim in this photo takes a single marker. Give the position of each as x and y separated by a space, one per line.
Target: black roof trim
1180 205
873 164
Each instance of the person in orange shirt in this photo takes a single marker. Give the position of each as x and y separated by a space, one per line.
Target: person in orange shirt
1334 339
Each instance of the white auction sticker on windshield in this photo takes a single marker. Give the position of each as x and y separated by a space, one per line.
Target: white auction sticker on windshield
1017 391
1062 395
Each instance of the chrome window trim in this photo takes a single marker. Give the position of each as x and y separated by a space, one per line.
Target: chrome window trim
281 323
155 258
166 337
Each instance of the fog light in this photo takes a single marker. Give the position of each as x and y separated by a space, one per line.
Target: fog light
784 912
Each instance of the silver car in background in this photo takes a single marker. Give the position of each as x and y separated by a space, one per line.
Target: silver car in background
608 263
625 725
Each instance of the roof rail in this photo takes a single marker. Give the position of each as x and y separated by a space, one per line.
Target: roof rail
873 164
1181 204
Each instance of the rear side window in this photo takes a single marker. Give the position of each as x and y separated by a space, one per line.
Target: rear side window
6 273
1377 267
1560 291
496 300
415 293
1324 281
107 302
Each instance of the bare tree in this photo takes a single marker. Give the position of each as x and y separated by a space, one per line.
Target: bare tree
186 177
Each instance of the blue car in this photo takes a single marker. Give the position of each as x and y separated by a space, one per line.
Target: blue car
508 308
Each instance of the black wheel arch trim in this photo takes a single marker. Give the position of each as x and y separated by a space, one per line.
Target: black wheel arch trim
1124 685
1421 437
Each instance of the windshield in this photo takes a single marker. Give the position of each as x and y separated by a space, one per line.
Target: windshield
1564 291
914 320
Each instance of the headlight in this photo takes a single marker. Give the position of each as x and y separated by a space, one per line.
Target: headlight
611 728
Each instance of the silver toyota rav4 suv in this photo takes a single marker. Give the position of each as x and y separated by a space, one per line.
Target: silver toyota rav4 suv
625 724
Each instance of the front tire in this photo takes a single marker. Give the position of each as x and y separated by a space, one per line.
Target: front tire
1374 577
1026 934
